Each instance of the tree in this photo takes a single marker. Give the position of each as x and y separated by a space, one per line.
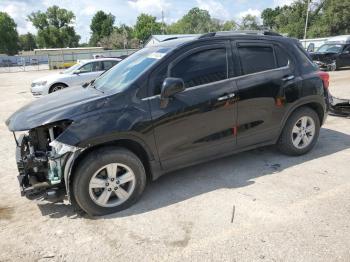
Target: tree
55 28
194 22
332 18
146 25
8 35
269 17
27 42
101 26
249 22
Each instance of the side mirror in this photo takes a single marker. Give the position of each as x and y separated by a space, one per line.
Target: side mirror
77 72
170 87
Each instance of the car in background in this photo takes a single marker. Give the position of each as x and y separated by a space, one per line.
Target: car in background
334 54
83 72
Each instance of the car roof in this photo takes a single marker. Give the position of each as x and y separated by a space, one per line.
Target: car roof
99 59
243 35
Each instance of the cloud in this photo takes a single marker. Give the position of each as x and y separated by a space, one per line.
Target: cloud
282 2
153 7
215 8
89 10
254 12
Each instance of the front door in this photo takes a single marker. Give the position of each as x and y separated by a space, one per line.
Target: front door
199 122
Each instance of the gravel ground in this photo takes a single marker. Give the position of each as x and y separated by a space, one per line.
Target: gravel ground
255 206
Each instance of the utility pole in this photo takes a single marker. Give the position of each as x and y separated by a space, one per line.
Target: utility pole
162 21
307 17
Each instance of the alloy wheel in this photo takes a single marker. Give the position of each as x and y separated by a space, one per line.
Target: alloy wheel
303 132
112 185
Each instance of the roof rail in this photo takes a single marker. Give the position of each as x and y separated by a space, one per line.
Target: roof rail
239 32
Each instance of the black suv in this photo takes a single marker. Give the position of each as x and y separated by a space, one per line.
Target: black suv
168 106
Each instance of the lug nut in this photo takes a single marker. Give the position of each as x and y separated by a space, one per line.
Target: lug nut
107 184
117 181
109 189
112 179
116 188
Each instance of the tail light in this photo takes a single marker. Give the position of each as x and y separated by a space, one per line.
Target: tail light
325 78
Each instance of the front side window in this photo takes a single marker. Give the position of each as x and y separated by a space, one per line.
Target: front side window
87 68
202 67
256 59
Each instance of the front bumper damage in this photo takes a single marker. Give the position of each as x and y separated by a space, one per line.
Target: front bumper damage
326 65
44 164
339 107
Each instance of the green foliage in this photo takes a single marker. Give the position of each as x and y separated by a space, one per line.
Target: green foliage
55 28
8 35
249 22
146 25
121 37
333 18
194 22
326 18
101 26
27 42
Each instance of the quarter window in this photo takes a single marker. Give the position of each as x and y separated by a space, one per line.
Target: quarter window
256 58
202 67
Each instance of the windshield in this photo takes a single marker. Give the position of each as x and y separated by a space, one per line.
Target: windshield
71 69
123 74
330 48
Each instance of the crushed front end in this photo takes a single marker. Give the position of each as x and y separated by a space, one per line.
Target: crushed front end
41 162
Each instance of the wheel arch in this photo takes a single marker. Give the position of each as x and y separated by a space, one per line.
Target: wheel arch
57 83
314 105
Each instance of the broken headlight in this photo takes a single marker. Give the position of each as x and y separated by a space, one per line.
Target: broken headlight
61 148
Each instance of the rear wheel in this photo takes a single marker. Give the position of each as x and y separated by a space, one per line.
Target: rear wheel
300 133
109 180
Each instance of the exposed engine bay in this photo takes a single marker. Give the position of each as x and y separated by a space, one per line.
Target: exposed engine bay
40 160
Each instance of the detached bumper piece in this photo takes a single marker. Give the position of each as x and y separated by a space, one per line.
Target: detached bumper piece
339 107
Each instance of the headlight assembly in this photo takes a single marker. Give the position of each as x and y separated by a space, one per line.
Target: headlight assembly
41 83
61 148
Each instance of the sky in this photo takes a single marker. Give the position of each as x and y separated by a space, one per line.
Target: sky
126 11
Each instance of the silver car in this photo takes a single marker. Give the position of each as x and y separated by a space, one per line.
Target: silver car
82 72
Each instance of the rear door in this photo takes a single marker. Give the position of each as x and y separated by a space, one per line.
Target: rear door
267 74
199 122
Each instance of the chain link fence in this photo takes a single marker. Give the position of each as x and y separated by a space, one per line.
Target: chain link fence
54 61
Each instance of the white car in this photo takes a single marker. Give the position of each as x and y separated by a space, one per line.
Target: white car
82 72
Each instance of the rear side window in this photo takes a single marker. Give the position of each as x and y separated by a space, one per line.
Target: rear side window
109 64
282 57
203 67
256 58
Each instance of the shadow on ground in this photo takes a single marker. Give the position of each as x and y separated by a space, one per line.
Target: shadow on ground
235 171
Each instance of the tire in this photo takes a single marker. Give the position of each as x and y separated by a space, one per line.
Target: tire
93 181
293 131
57 87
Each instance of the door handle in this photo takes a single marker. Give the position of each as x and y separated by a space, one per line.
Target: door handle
287 78
225 97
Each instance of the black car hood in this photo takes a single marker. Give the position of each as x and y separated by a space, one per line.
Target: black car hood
62 105
322 55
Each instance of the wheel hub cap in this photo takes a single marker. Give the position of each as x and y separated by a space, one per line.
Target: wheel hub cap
303 132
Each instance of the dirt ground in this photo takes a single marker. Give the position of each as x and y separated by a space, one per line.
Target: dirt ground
254 206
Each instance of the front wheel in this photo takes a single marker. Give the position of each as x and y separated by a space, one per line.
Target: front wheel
300 133
108 180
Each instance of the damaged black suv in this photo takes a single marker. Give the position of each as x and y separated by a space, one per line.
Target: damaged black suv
167 106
